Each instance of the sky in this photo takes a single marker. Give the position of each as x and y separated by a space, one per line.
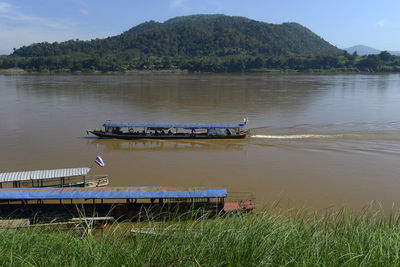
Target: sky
342 23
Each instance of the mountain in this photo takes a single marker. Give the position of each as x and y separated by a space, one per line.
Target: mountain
211 43
363 50
395 53
196 35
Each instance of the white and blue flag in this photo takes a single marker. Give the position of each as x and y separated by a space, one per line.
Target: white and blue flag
99 161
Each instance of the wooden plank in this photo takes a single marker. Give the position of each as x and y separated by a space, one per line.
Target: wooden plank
82 219
9 224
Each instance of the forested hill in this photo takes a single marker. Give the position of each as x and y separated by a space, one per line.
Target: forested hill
197 35
215 43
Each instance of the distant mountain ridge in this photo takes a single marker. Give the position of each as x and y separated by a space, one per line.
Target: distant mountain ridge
363 50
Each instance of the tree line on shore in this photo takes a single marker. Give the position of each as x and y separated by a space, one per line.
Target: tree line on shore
383 62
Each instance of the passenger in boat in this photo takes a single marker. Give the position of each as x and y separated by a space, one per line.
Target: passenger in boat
144 133
156 133
169 132
162 132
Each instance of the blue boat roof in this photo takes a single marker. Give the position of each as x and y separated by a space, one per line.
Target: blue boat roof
144 192
177 125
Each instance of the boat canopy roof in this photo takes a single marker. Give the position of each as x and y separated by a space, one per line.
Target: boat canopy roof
42 174
176 125
145 192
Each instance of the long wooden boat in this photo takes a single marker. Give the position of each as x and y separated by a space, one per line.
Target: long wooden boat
118 202
71 177
172 131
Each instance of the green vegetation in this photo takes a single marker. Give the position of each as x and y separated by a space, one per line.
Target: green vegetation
260 239
207 43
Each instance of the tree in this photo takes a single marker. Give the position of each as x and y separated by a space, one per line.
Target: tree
385 56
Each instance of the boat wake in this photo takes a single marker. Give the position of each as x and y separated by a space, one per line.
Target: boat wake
365 138
297 136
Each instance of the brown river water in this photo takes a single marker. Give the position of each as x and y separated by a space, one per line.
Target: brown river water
316 140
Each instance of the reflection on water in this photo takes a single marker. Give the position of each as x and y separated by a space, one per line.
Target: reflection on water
145 145
319 140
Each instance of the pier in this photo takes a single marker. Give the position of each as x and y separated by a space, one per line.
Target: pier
118 202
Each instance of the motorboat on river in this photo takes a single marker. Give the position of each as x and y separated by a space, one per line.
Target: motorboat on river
172 130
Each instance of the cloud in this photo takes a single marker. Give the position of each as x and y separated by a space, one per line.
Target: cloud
381 23
388 24
83 11
19 28
5 7
192 7
177 3
83 7
10 13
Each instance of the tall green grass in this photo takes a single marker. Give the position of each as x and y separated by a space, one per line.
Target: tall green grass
302 238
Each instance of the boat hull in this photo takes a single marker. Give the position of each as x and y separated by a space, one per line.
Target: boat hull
128 136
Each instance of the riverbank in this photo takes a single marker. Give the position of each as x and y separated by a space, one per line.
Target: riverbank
295 238
13 71
18 71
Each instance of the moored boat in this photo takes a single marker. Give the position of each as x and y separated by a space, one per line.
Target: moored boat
117 202
71 177
172 130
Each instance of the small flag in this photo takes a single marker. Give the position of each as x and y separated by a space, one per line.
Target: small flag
99 161
245 120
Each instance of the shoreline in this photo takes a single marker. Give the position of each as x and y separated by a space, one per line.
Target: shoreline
19 71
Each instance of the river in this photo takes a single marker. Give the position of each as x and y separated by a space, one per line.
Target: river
316 140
